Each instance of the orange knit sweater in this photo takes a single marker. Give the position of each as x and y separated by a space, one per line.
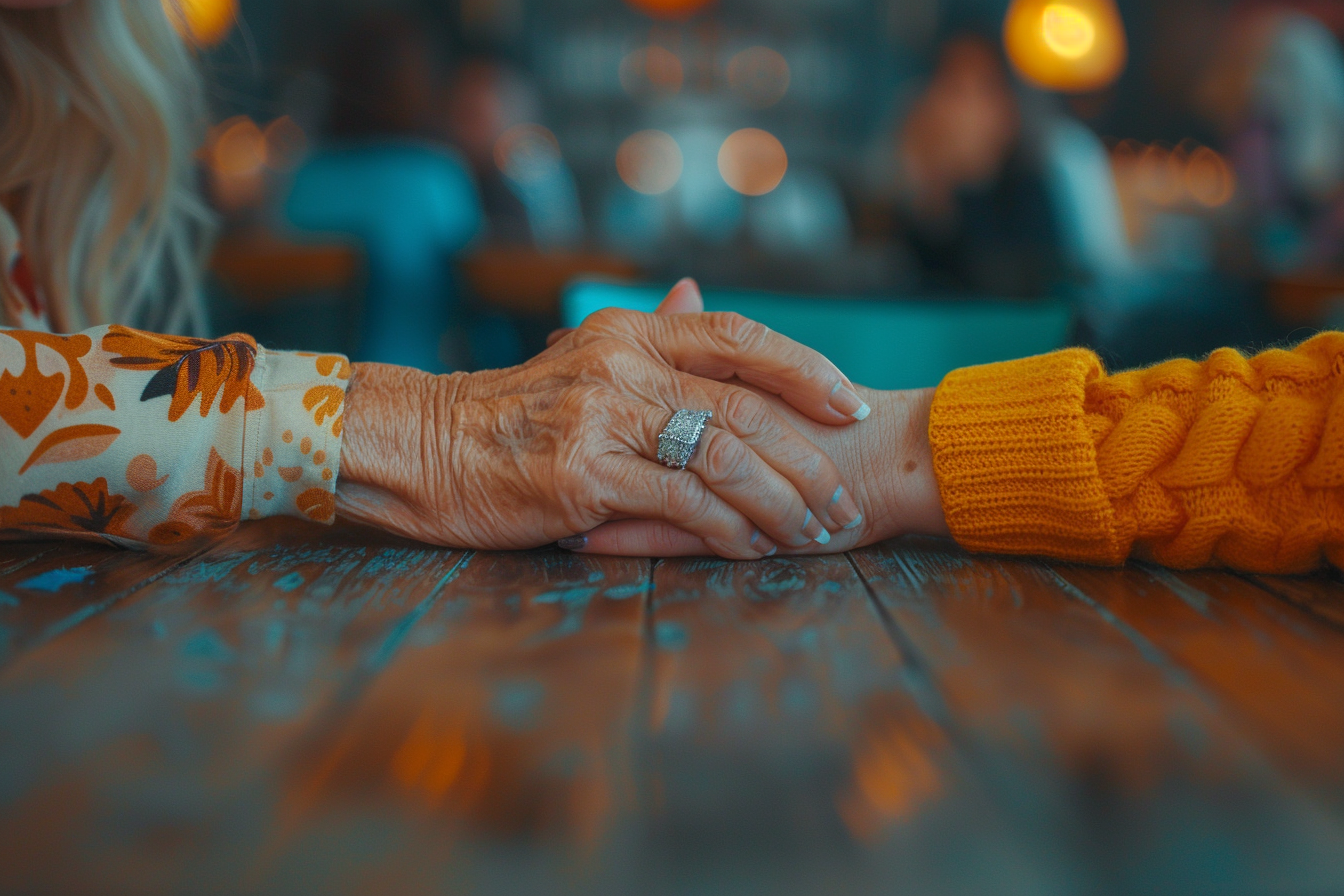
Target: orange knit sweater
1233 461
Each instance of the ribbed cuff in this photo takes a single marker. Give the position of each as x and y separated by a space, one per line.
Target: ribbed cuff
1016 464
292 452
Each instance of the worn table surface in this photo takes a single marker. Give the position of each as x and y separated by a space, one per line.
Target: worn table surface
331 711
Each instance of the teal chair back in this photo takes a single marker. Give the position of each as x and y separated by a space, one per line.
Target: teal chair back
885 344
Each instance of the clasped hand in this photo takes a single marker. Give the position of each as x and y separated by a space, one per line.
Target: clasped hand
518 458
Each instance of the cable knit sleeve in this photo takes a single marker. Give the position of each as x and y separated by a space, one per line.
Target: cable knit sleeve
156 441
1234 461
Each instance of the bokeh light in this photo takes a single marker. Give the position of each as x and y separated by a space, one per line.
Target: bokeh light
759 75
286 143
1209 179
1076 46
1068 31
670 9
753 162
205 22
527 153
649 162
652 70
237 148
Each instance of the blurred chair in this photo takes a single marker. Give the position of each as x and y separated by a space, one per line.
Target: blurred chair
1091 227
885 344
412 208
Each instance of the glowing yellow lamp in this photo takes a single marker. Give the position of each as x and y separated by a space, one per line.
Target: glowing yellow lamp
205 22
1073 46
670 9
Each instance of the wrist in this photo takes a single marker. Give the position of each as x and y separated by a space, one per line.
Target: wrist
395 424
906 500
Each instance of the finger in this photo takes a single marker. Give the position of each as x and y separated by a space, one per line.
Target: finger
774 441
685 298
647 491
557 335
743 480
721 346
638 538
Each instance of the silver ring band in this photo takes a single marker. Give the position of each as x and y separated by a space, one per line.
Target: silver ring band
679 439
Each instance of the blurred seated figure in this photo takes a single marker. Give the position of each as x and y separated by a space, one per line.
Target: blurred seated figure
972 204
1278 94
409 201
529 193
483 101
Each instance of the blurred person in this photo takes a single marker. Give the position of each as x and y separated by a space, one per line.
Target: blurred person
409 201
529 193
1277 93
484 99
166 440
970 201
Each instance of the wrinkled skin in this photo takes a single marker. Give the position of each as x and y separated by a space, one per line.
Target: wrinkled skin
526 456
889 461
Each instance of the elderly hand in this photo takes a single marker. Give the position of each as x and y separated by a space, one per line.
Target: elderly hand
889 462
522 457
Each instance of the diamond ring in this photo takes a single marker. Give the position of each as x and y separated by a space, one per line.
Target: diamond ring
679 439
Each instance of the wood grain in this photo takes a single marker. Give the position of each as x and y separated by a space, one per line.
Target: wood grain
302 709
151 734
47 589
1098 740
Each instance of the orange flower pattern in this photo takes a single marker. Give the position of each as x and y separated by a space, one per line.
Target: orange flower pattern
88 450
84 509
188 368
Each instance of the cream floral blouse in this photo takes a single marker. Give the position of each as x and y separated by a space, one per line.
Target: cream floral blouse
161 442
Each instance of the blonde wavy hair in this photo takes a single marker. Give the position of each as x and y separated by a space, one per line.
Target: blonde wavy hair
101 111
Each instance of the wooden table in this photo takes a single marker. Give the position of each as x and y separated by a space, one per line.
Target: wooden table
331 711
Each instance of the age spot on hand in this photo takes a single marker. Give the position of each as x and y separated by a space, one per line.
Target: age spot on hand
911 466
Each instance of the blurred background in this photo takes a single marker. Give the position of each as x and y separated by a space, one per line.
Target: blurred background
908 185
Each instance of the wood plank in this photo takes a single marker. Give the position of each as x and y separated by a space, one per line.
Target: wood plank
130 747
1092 735
490 754
1321 595
1277 670
790 744
48 588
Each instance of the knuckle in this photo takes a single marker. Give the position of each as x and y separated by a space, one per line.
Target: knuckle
721 459
746 413
684 500
738 332
610 319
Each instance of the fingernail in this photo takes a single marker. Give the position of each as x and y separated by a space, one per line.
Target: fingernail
823 537
773 552
843 509
845 401
764 546
573 542
856 523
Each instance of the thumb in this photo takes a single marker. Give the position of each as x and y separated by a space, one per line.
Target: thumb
684 298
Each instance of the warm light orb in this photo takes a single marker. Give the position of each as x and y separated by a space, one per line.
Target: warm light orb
1068 31
1073 47
238 148
205 22
649 162
1209 179
760 76
669 9
527 153
652 70
753 162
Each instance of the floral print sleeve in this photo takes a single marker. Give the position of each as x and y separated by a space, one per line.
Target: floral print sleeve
144 440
